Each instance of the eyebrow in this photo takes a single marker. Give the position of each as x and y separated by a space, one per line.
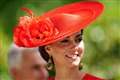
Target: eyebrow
77 35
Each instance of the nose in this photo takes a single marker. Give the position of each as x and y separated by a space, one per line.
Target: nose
77 46
43 74
74 45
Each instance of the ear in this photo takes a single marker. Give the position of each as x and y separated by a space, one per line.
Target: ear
48 49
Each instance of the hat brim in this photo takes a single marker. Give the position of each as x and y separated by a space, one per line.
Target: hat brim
91 9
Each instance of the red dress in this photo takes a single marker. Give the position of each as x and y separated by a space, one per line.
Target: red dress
86 77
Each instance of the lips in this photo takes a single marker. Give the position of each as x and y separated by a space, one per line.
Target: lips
73 56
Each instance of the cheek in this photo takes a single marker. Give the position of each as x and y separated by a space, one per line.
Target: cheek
28 71
40 74
81 47
58 50
25 74
82 52
58 54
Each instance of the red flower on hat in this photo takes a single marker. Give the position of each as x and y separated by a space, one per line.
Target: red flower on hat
32 31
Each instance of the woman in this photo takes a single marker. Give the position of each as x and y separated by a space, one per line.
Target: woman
66 54
59 33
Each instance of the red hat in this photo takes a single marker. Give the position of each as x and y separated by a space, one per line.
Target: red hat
55 24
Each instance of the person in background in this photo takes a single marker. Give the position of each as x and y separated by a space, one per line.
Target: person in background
26 64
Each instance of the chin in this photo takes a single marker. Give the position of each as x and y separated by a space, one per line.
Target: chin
73 65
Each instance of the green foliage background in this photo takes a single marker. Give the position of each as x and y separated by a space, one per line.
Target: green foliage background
102 37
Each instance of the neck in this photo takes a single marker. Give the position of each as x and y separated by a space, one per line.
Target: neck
65 73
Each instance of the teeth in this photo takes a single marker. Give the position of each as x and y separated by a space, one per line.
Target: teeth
75 59
72 56
76 52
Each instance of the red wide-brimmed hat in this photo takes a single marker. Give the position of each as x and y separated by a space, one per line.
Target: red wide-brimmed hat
33 31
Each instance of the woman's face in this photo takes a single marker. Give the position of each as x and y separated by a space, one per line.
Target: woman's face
68 51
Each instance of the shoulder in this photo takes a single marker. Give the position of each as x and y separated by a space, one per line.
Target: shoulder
91 77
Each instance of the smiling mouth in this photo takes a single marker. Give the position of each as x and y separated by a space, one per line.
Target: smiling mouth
73 56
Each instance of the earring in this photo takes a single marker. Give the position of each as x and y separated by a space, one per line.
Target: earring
80 66
50 64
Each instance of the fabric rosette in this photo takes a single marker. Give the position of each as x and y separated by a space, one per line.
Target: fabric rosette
33 31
